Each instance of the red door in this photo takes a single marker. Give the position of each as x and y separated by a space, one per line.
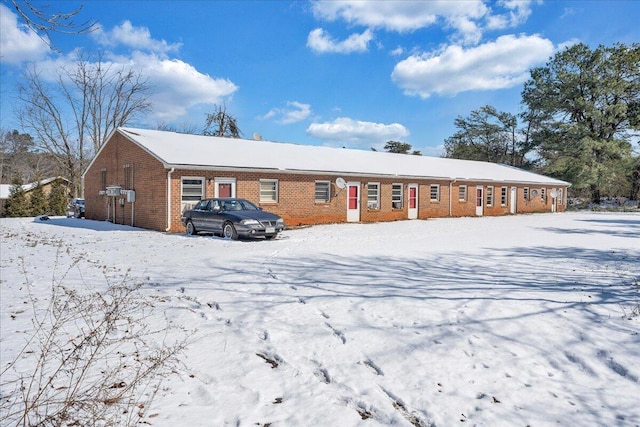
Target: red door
224 190
353 197
412 197
353 201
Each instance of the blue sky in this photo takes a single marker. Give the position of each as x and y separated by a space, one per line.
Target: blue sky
337 73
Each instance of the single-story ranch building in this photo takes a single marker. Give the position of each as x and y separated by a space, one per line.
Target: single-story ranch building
147 178
47 184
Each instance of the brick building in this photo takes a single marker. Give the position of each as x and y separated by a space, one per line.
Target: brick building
47 184
147 178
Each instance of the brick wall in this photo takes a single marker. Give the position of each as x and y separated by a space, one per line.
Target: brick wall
149 181
296 193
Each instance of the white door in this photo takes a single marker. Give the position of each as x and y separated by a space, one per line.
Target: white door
413 201
513 201
554 199
353 202
479 200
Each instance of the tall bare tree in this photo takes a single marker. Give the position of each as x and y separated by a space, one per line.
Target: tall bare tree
72 115
221 123
44 21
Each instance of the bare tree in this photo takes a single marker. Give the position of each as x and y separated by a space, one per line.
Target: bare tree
19 156
221 123
44 21
187 128
72 116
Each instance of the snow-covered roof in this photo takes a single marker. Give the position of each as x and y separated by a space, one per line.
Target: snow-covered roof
5 189
198 151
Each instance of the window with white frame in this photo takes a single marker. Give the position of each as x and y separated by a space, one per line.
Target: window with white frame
462 193
543 194
268 191
434 192
526 193
396 196
323 192
504 199
192 188
373 195
489 196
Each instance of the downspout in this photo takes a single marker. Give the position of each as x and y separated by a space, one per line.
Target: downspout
450 196
169 199
133 203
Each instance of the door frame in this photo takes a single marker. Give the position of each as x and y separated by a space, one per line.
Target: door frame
513 200
412 212
479 200
353 214
218 181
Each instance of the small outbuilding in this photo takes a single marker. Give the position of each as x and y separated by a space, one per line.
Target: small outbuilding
46 184
147 178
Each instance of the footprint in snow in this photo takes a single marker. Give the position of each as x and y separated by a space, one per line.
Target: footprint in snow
373 367
581 363
616 367
323 375
338 334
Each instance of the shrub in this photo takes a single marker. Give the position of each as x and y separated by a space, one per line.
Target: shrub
95 358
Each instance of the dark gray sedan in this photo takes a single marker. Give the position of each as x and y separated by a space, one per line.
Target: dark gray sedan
231 218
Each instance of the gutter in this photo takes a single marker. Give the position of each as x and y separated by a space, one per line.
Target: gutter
450 195
169 199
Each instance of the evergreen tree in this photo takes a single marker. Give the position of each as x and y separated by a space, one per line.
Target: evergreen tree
400 148
58 199
583 106
37 200
488 135
17 204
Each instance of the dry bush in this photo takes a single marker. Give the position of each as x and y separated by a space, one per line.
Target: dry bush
94 359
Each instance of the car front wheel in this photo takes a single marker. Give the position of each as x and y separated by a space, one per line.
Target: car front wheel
229 231
191 229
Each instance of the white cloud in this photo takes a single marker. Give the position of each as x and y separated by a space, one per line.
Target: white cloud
293 113
468 19
500 64
138 38
517 12
397 51
402 16
344 129
321 42
178 86
18 43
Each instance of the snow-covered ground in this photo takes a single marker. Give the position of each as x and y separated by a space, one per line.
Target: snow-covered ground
519 320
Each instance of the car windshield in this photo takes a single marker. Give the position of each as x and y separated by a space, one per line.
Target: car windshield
238 205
